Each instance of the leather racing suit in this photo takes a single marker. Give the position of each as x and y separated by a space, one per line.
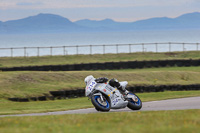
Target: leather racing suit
113 82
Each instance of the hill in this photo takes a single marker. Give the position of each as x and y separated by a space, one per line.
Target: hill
50 23
41 23
186 21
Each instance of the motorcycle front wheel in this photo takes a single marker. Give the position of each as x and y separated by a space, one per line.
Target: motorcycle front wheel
99 104
134 105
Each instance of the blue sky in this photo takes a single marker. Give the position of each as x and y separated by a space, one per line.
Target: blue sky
118 10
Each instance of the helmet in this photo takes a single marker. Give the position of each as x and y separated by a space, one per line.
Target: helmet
114 83
88 79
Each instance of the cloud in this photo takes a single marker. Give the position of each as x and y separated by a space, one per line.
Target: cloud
56 4
120 10
113 3
29 3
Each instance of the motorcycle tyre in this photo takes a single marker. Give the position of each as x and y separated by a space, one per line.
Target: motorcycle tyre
134 107
97 109
97 106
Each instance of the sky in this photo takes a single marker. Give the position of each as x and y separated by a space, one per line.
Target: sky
118 10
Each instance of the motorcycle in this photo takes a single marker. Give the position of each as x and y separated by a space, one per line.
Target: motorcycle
105 97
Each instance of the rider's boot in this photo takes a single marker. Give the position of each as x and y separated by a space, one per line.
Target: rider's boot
121 88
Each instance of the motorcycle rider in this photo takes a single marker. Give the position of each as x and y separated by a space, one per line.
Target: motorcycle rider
113 82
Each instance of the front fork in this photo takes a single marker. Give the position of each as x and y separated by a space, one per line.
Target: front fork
99 94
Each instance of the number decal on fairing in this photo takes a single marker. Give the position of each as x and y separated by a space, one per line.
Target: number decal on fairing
92 85
115 101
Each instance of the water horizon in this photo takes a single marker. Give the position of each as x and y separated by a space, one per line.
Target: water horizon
101 38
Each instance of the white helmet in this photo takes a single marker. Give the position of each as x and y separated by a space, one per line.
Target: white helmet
89 79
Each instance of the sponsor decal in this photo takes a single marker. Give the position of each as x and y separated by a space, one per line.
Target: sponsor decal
104 90
108 88
115 101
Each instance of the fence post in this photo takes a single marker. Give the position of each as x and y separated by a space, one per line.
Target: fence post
64 50
90 49
11 52
117 48
103 49
51 51
38 51
24 51
143 47
77 49
183 47
156 47
169 46
129 48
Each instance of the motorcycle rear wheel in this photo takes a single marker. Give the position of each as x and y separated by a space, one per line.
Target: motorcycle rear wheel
100 105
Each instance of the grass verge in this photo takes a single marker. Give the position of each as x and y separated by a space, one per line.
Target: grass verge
8 107
76 59
126 122
27 84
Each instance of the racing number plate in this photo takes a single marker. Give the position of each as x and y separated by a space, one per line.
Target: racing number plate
92 85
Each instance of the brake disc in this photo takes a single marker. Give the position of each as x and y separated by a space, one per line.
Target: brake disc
135 99
104 103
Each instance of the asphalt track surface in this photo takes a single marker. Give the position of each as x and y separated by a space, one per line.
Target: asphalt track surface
171 104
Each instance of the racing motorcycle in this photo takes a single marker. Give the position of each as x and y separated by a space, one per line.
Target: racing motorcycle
105 97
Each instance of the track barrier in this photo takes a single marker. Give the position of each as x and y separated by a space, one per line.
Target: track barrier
65 94
108 65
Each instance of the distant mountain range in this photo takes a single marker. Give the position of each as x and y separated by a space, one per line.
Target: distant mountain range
50 23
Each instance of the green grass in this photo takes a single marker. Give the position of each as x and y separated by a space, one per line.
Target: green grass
76 59
26 84
179 121
162 69
8 107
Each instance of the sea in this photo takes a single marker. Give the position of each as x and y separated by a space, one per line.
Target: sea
98 42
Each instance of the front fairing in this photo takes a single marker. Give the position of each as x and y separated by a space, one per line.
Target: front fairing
90 87
116 98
